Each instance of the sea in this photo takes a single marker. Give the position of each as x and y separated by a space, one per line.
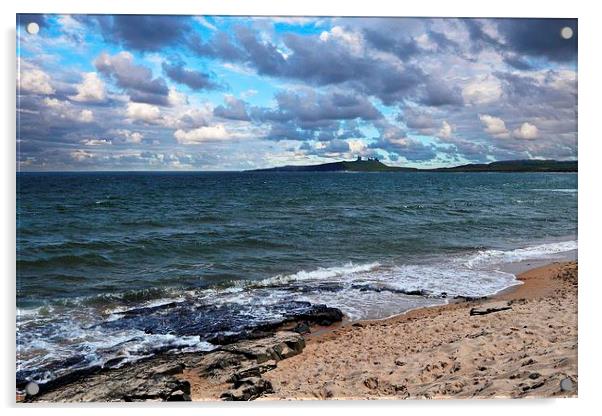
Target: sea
116 267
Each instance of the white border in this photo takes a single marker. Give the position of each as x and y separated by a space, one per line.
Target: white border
590 153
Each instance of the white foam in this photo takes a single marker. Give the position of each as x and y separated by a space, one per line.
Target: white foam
497 257
567 190
321 273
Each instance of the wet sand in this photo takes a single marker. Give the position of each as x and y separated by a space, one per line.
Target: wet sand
524 345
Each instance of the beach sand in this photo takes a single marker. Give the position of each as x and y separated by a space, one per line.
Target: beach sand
526 350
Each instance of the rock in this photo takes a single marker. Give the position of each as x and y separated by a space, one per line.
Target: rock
168 368
219 360
371 383
469 298
252 370
281 345
178 396
302 328
490 308
320 314
240 364
248 389
534 376
399 362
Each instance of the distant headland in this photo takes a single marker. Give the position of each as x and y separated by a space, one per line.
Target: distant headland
375 165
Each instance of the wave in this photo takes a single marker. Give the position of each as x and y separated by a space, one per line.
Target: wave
567 190
320 273
541 251
88 259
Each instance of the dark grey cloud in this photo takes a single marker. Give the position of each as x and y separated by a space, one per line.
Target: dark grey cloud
410 149
437 93
143 33
234 109
195 80
336 147
309 106
395 141
136 80
522 38
309 115
540 37
220 46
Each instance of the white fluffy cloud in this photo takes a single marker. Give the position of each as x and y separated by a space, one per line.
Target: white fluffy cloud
202 134
65 110
32 79
176 98
482 91
526 131
92 89
124 136
143 112
81 155
96 142
494 126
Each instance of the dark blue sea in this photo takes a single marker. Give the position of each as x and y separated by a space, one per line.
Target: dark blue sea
114 267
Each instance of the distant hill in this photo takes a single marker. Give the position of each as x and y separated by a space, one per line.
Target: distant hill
374 165
344 166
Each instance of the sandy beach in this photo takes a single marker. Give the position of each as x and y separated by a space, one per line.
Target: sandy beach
523 350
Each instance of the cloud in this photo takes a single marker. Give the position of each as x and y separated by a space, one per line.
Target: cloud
338 57
437 93
482 91
125 136
494 126
144 33
143 112
203 134
202 20
136 80
195 80
33 80
332 148
446 130
64 110
235 109
309 107
96 142
306 114
540 37
81 155
91 90
395 141
526 131
176 98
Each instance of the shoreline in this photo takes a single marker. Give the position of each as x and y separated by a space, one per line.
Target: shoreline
268 367
539 285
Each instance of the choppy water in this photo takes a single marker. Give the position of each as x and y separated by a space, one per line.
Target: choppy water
102 257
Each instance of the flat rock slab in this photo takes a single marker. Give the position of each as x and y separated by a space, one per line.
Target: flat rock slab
490 308
281 345
238 365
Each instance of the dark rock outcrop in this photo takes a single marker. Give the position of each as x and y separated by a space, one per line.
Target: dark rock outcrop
237 366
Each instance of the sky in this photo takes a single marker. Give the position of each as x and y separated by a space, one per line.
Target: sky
127 92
